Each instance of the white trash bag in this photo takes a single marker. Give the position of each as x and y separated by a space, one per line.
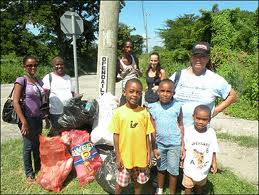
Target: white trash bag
100 133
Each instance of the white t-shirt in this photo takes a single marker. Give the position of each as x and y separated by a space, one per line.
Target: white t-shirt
193 90
60 91
199 150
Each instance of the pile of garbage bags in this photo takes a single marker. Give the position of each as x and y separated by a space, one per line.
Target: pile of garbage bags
60 153
78 112
90 153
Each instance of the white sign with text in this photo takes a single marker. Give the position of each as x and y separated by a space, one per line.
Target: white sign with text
103 75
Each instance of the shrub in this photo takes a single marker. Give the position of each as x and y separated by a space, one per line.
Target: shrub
11 68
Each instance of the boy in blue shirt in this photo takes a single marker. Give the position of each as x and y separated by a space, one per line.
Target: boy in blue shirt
167 116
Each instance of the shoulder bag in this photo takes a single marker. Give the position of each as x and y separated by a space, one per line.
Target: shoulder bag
8 114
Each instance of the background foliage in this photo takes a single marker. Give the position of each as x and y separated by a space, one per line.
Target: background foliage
232 33
233 36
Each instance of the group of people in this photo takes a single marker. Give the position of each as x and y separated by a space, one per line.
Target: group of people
170 123
173 122
55 89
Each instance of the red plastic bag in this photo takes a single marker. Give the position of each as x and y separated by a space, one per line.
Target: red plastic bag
56 163
86 158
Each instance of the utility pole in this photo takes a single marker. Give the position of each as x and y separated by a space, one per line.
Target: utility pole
145 25
107 45
146 32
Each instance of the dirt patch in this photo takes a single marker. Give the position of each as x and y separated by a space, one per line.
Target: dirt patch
240 160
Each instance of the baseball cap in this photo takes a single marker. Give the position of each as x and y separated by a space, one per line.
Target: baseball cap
201 48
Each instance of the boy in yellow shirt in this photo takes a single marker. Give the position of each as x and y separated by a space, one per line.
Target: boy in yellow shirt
131 126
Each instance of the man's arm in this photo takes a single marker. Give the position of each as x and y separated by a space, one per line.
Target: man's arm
231 98
118 72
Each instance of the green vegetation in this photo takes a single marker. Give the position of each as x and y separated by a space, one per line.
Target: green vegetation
47 39
245 141
232 34
233 37
13 180
11 68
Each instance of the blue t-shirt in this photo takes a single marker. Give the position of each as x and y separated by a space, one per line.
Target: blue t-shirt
193 90
165 116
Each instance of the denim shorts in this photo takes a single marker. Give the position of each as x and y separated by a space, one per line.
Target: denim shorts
169 159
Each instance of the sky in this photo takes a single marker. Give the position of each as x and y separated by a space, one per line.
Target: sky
157 12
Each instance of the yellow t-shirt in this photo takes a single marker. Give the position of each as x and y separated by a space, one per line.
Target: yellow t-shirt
132 125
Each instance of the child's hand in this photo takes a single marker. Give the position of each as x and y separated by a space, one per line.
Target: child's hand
156 153
119 164
214 168
182 153
149 160
181 164
182 157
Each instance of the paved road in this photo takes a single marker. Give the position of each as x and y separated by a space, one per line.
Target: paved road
242 161
87 86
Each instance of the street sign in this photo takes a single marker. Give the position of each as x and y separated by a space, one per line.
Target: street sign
66 23
72 25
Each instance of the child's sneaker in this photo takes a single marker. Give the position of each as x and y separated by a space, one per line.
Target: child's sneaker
159 191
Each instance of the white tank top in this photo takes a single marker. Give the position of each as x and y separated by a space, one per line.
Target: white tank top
132 74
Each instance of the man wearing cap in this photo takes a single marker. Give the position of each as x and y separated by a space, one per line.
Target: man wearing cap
199 85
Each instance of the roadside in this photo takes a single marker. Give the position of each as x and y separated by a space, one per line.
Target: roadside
242 161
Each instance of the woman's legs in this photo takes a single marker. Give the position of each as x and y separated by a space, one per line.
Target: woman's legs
27 161
31 145
36 143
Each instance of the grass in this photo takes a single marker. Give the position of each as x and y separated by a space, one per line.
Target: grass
13 180
244 141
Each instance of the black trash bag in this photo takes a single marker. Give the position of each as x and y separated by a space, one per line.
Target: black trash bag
106 175
78 113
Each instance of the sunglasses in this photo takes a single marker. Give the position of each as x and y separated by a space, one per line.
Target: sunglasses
31 65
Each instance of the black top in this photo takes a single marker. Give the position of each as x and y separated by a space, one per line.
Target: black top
150 96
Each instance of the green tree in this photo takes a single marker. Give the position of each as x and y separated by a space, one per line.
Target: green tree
125 33
45 15
179 33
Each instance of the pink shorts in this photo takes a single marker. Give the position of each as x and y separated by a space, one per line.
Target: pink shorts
124 177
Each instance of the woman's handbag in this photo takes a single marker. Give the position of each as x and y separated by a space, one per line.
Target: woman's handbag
44 108
8 114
